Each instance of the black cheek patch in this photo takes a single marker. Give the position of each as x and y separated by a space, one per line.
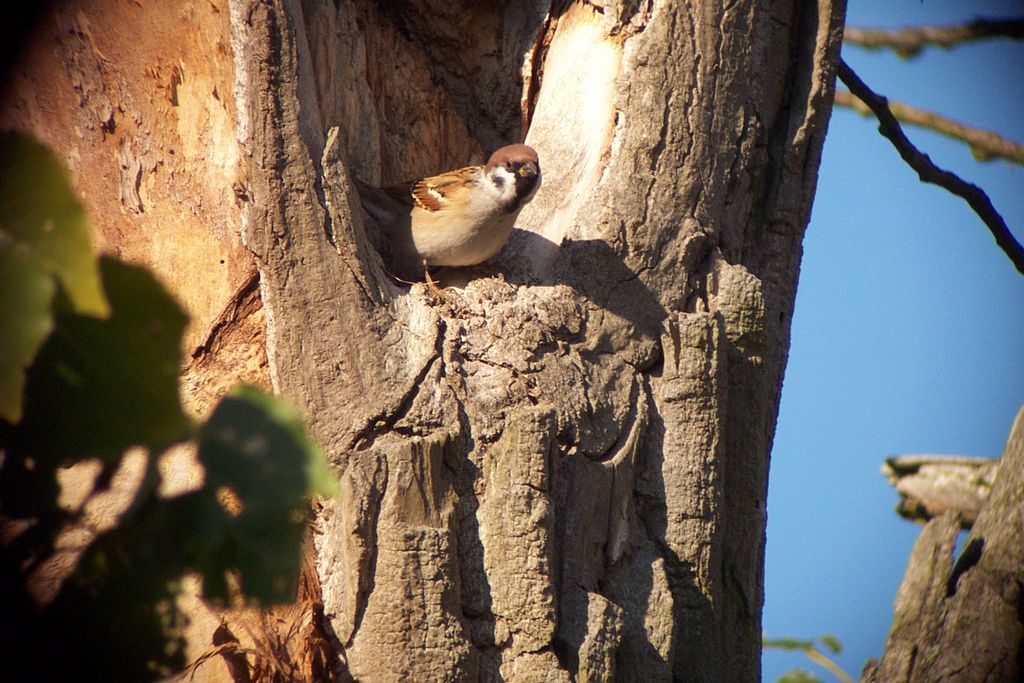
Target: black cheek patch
524 186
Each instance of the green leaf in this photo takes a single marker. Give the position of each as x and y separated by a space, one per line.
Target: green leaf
799 676
118 615
832 643
44 236
788 644
39 212
99 386
254 446
26 291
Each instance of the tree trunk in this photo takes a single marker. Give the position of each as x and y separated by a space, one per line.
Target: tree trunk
557 469
963 621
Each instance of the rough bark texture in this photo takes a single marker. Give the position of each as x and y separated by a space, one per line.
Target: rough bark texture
557 470
964 621
559 473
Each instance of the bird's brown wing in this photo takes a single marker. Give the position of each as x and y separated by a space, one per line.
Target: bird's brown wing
429 193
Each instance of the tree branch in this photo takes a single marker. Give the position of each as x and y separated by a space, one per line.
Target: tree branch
932 484
930 173
985 145
908 42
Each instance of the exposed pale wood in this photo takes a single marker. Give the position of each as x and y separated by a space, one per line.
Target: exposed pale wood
138 100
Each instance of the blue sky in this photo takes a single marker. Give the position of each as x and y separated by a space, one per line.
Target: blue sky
907 336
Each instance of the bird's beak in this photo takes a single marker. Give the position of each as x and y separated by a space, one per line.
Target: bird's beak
527 169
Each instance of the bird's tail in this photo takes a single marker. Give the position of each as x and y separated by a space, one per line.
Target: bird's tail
376 202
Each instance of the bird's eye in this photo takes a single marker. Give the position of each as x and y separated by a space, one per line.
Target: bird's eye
508 165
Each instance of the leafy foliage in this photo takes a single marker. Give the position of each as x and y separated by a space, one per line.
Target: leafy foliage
98 385
811 650
831 642
799 676
269 469
43 237
96 376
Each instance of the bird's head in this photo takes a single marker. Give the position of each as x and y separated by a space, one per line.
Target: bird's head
519 166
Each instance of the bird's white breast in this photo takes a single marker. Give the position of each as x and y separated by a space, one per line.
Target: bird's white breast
444 239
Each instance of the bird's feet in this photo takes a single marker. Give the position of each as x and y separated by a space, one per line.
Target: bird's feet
431 284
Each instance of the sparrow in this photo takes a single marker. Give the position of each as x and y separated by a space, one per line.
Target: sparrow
458 218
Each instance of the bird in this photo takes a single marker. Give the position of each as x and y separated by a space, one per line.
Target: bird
458 218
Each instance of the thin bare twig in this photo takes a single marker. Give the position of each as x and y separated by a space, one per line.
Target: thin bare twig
908 42
985 145
928 172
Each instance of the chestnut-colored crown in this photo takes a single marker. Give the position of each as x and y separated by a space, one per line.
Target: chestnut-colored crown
517 154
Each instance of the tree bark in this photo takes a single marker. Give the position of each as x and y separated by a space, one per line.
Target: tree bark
558 469
963 621
561 473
